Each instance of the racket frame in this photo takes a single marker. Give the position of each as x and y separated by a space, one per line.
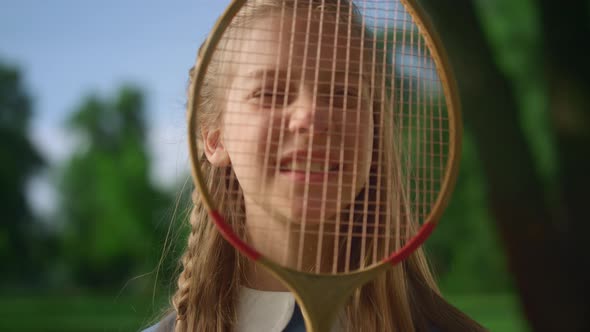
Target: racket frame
321 311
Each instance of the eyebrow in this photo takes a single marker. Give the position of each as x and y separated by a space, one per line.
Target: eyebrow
269 73
282 74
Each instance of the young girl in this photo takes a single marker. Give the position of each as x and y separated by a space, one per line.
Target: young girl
257 106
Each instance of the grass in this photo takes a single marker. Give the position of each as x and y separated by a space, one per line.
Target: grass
76 313
111 313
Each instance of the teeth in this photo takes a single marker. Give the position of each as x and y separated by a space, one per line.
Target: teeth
302 167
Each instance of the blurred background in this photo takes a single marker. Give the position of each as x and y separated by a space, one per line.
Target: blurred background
94 169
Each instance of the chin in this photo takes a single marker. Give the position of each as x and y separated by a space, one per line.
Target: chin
312 217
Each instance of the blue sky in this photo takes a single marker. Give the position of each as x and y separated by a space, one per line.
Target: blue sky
67 49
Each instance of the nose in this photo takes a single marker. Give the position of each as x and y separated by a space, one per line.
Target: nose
306 115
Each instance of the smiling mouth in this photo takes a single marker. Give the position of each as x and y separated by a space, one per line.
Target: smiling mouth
304 167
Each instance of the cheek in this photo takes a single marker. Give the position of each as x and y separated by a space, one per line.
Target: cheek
366 132
360 131
246 137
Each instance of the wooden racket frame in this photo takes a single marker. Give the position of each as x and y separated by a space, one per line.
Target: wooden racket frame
321 311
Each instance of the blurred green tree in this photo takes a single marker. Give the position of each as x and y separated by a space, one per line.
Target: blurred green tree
465 250
524 88
19 159
111 212
566 66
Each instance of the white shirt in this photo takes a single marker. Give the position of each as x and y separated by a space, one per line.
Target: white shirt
266 311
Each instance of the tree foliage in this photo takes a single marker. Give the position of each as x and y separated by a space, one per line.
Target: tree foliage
524 86
19 159
110 210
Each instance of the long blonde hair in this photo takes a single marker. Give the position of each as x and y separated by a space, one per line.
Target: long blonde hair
405 298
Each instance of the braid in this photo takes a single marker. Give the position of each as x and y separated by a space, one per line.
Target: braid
208 285
181 299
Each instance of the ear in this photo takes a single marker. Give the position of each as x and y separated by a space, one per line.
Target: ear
214 148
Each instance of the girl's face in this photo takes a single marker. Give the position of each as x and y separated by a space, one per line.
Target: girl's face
296 128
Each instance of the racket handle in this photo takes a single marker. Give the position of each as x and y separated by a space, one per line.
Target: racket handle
321 297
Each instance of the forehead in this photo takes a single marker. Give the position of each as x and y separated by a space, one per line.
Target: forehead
301 40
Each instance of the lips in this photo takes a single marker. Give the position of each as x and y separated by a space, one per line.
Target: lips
299 162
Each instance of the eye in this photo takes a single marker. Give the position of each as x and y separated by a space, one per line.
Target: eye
268 98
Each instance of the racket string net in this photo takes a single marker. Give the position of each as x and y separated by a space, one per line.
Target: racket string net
335 124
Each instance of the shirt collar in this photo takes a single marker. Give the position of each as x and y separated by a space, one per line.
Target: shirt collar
263 310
